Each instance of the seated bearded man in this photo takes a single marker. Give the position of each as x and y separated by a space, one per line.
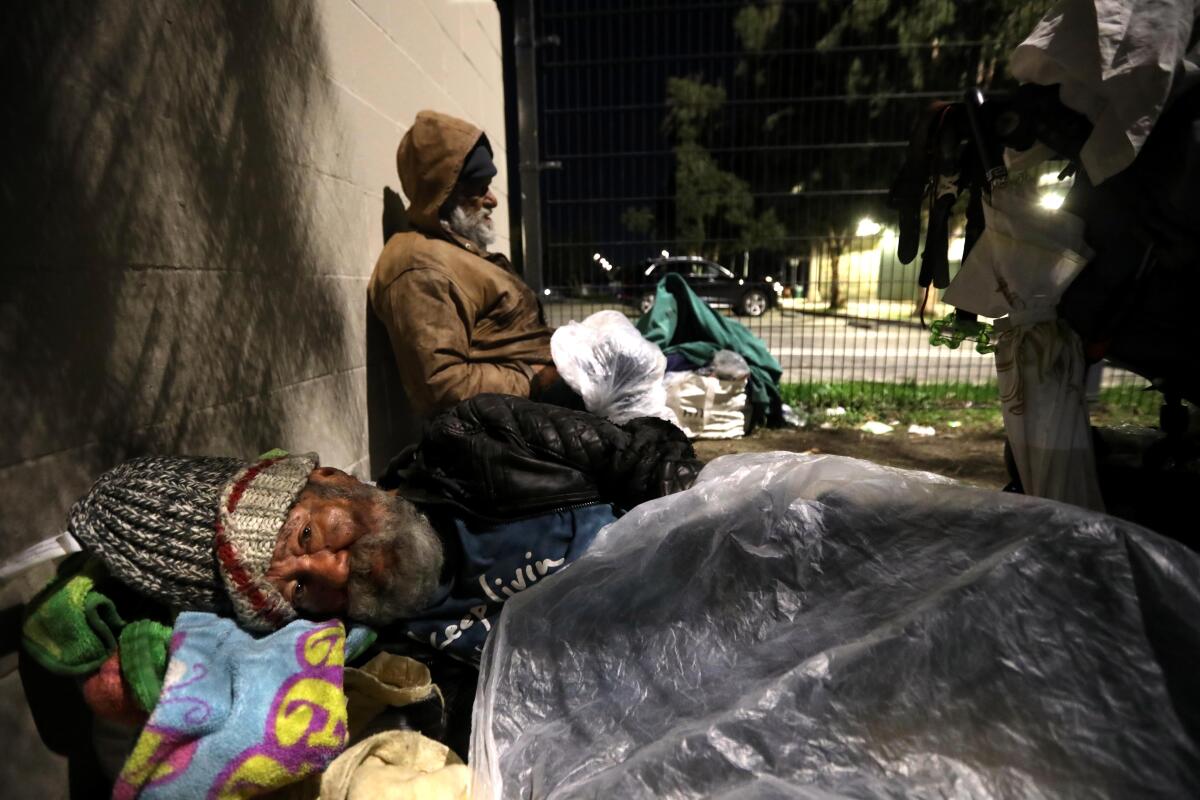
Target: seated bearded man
461 321
501 492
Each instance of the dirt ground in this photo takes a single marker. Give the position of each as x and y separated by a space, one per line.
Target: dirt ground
975 457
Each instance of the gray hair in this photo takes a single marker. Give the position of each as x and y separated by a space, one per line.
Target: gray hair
404 542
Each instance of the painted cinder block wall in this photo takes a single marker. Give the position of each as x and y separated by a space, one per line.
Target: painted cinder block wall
191 203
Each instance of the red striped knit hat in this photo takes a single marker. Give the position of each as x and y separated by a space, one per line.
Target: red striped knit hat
168 526
254 506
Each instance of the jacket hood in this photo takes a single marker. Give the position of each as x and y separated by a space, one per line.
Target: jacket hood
429 160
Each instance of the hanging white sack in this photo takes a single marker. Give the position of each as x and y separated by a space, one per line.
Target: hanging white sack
1017 271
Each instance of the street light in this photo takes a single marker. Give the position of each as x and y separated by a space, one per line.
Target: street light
867 227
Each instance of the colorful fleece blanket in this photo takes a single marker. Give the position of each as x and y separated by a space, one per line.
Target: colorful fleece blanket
240 716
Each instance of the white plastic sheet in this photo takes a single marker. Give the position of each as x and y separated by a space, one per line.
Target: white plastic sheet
616 371
1118 62
823 627
1018 271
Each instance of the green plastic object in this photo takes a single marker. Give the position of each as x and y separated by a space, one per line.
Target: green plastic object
951 332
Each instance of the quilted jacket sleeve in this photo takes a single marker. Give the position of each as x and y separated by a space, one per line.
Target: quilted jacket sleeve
511 454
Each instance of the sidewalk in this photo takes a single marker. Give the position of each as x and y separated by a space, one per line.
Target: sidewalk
882 310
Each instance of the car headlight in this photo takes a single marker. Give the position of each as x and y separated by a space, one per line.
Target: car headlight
778 287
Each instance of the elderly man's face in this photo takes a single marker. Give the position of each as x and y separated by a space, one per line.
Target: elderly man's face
471 215
476 196
349 548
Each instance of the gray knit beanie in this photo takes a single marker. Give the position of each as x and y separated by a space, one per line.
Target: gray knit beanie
195 532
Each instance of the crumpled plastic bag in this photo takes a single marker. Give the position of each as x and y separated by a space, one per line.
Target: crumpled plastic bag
727 365
826 627
617 372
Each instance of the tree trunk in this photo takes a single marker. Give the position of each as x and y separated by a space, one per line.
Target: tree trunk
836 299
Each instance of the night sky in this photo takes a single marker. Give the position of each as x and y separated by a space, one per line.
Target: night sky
829 156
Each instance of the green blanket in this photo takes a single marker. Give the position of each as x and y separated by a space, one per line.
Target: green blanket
72 626
680 322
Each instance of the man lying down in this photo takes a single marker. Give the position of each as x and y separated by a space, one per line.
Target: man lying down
501 492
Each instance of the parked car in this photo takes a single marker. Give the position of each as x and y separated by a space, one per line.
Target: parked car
713 283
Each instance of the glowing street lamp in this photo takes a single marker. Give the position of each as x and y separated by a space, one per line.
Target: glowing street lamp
867 227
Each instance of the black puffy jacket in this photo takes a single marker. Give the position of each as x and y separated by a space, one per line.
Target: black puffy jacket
503 457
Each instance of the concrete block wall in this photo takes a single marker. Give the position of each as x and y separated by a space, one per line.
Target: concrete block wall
191 205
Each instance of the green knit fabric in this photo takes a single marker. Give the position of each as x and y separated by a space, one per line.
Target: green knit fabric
145 649
70 628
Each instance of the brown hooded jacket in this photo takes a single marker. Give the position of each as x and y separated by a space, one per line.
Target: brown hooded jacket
461 322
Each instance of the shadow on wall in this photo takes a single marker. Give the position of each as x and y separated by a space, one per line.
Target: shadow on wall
167 285
391 422
170 278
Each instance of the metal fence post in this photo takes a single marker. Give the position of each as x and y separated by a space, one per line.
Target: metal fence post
527 122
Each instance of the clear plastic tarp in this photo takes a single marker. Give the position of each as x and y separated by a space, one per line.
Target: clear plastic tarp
800 626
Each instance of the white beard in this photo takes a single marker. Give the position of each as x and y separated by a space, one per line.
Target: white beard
474 226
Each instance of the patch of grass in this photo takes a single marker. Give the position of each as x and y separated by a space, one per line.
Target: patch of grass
974 406
1126 405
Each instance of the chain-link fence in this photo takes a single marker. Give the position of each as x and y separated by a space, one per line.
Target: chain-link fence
761 139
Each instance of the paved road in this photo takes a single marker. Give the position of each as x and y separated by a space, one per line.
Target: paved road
815 348
818 348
